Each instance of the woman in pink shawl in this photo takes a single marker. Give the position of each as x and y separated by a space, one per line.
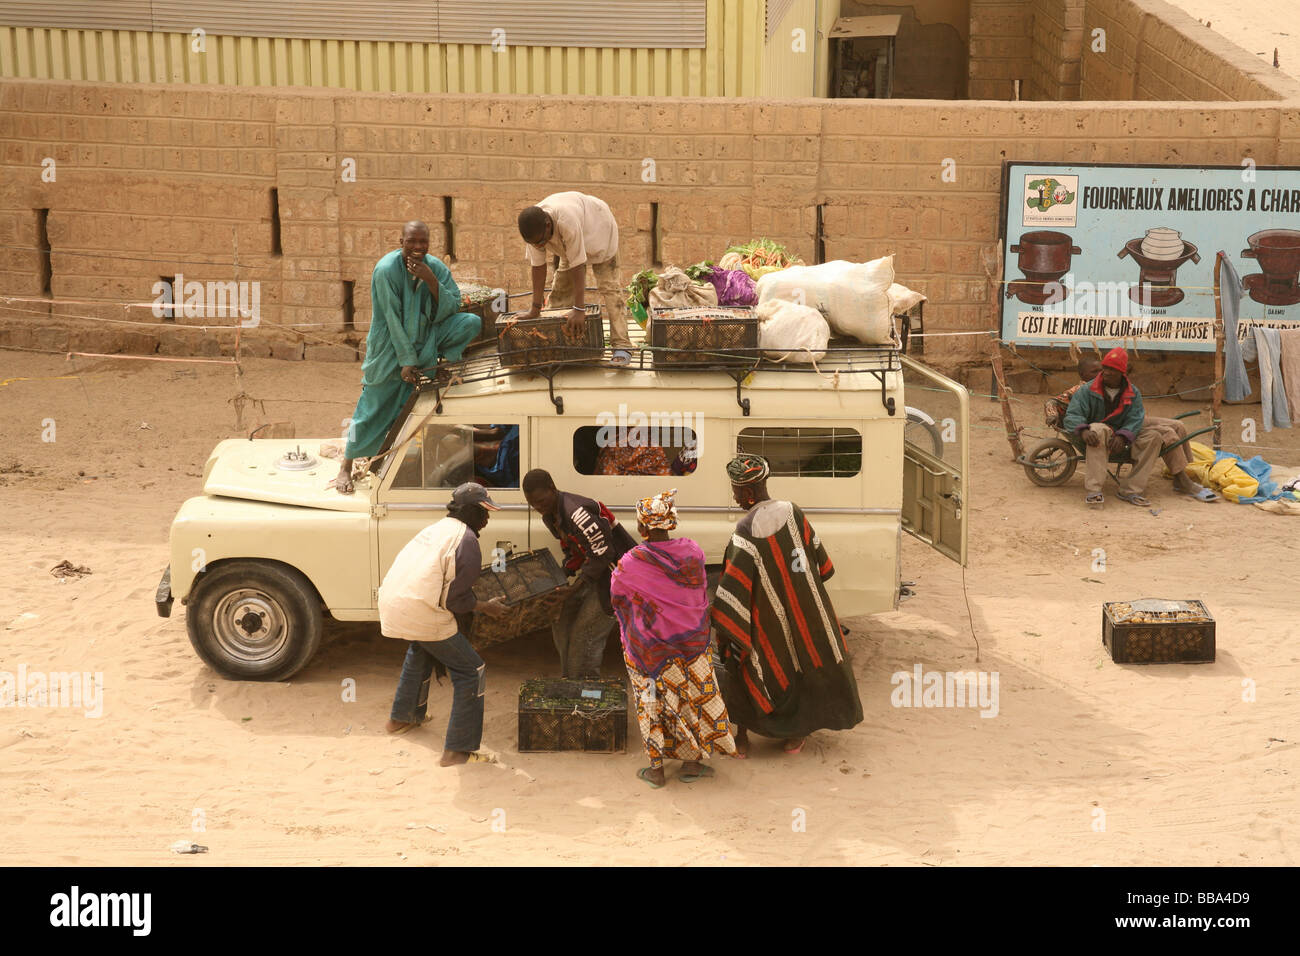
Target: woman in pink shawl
659 596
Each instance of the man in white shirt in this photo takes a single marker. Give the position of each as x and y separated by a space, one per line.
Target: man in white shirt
427 598
582 231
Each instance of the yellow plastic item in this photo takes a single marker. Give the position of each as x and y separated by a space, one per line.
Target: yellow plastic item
1225 477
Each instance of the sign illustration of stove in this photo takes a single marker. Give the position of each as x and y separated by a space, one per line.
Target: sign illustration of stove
1044 258
1158 255
1278 253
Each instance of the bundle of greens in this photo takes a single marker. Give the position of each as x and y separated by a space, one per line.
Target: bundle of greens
638 293
700 271
758 257
472 294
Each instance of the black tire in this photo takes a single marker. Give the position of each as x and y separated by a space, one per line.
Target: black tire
1060 457
923 434
254 620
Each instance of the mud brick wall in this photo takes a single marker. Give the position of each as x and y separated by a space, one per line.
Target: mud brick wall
1156 52
1000 48
155 181
1056 42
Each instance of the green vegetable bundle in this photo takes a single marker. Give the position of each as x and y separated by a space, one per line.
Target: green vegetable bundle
638 292
699 272
758 257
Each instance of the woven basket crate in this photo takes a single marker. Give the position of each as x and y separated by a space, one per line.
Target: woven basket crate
585 715
541 341
1162 642
521 585
713 335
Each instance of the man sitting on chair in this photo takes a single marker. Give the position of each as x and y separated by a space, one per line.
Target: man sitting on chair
1108 415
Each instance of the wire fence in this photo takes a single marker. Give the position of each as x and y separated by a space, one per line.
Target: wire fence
20 306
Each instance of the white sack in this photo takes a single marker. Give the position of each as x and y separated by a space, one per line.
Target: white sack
675 290
853 296
793 332
901 298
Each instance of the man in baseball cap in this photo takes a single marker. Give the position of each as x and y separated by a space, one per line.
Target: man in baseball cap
1107 416
427 599
472 493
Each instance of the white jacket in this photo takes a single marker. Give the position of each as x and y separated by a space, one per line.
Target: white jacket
413 596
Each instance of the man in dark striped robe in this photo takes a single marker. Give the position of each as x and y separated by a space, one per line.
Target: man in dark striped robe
787 670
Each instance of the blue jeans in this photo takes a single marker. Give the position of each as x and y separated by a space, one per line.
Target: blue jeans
411 703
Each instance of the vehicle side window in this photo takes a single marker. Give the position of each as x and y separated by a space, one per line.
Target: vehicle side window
611 450
445 455
805 452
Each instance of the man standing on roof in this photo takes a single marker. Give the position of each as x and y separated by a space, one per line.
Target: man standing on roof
787 669
415 321
588 527
582 231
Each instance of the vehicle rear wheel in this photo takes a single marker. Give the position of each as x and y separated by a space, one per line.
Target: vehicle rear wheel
1051 462
250 620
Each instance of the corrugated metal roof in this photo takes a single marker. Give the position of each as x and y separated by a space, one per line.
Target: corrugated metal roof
655 24
84 14
408 20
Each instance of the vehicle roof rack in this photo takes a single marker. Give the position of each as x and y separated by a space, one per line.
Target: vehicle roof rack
855 359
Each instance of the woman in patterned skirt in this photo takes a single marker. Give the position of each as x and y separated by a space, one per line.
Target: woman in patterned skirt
660 599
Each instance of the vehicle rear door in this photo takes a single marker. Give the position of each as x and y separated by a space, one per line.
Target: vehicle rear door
935 487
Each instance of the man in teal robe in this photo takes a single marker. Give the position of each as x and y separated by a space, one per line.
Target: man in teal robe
415 320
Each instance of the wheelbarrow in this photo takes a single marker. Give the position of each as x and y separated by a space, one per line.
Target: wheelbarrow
1053 460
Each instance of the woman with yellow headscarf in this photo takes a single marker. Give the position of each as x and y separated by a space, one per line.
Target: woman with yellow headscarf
661 602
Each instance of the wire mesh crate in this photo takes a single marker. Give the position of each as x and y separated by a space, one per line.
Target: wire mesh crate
1151 631
541 341
714 335
521 584
556 714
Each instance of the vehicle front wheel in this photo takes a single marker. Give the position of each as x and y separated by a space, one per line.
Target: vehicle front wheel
250 620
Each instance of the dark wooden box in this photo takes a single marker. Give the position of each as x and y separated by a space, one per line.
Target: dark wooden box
487 333
707 336
1156 641
521 584
584 715
541 341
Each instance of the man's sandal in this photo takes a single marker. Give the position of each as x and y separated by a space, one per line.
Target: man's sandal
1095 501
1138 500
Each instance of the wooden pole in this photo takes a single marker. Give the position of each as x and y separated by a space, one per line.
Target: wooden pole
1218 356
1004 395
995 356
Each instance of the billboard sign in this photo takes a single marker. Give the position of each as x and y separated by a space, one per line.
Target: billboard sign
1125 254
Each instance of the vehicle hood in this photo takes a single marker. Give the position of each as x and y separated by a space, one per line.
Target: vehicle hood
255 470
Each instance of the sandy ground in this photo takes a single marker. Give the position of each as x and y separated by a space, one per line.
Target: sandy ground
1257 26
1171 759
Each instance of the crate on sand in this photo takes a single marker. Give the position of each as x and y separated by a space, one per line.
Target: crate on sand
522 582
542 341
585 715
1152 631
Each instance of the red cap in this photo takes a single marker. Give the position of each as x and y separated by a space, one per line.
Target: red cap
1116 358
